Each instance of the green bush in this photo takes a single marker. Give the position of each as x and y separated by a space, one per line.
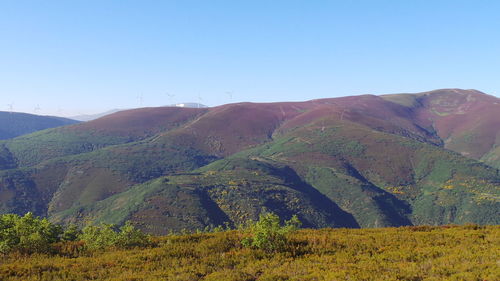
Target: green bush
105 236
27 234
99 237
71 233
269 235
30 234
129 237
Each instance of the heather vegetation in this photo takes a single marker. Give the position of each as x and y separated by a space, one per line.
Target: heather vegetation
263 250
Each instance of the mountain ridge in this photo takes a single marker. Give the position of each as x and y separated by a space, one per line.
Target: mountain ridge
375 161
14 124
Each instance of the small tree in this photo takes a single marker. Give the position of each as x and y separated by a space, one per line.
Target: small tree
105 236
27 234
269 235
99 237
130 236
8 235
71 233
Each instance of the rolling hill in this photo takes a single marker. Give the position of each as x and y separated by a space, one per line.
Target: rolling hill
360 161
466 121
13 124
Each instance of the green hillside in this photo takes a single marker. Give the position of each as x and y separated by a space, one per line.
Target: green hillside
352 184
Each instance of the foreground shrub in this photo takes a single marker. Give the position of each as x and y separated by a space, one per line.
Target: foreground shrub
129 237
105 236
71 233
27 234
268 234
99 237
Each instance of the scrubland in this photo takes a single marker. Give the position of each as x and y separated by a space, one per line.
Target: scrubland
469 252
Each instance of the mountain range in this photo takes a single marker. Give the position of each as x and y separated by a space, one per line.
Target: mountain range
358 161
13 124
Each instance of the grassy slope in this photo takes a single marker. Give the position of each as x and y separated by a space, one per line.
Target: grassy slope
108 155
492 158
440 186
416 253
213 197
377 179
35 148
118 128
62 167
75 180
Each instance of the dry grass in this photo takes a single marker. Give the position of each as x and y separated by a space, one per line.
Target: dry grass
407 253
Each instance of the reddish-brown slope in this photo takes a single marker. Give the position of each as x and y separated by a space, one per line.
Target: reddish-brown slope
230 128
142 121
372 111
468 121
227 129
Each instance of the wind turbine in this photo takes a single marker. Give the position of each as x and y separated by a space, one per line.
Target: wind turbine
230 94
171 97
140 98
11 107
199 101
37 108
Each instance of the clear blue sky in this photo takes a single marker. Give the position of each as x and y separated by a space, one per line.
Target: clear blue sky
72 57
